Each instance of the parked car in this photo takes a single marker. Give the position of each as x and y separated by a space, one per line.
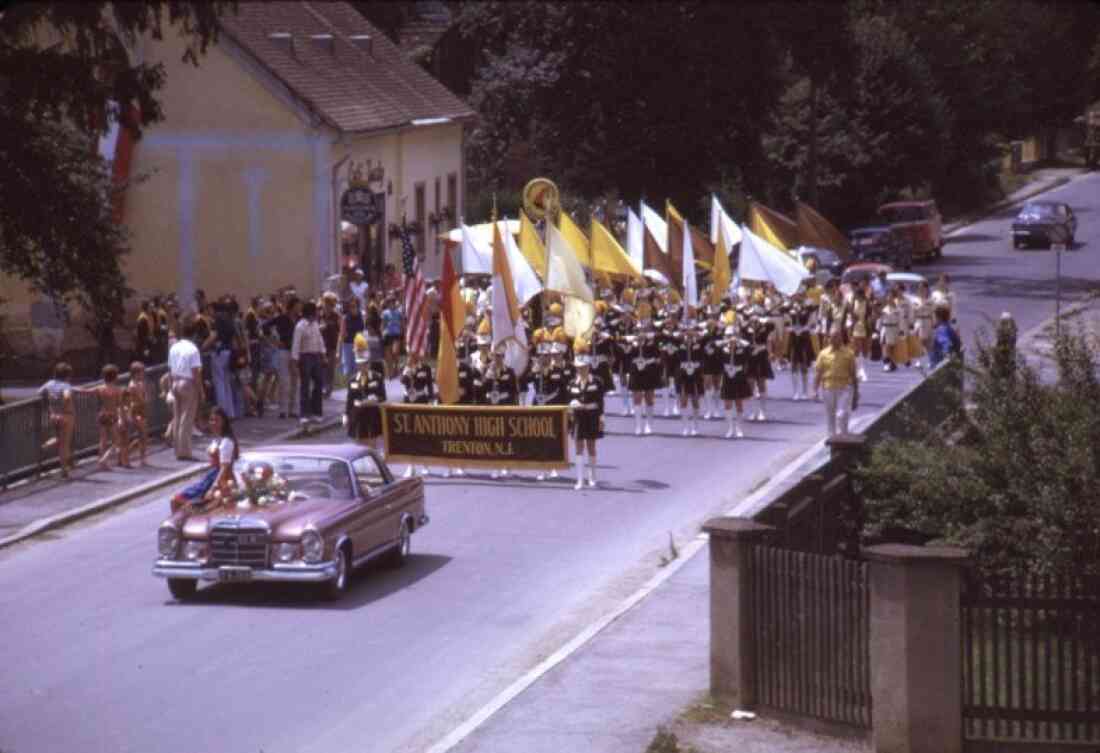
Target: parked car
312 515
859 273
1044 222
826 262
881 243
920 222
911 280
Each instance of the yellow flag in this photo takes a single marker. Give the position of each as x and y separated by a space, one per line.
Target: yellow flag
720 275
774 227
607 255
576 239
531 246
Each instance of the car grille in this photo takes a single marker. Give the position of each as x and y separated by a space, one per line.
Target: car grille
239 547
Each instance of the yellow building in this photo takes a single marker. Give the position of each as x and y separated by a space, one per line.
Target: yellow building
245 176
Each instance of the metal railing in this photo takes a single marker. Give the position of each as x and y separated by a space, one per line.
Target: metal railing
25 427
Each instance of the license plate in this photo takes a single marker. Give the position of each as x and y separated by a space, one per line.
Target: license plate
234 574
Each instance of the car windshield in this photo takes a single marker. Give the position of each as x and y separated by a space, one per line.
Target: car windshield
867 237
312 475
904 214
1038 211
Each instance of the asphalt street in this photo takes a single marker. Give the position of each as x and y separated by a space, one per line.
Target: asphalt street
98 657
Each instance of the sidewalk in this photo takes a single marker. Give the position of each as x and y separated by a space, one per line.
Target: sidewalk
38 505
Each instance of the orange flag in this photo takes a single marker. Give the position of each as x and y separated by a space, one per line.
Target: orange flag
775 227
815 230
452 314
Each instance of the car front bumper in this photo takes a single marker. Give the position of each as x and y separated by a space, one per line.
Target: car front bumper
1039 233
288 573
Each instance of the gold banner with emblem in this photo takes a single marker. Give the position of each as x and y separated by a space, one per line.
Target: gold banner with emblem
477 436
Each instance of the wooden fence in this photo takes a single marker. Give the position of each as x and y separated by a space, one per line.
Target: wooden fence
1031 660
811 627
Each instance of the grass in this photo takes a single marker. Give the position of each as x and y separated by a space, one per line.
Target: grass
706 710
666 742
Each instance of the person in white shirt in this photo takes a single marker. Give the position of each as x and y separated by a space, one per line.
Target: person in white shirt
359 288
307 354
185 367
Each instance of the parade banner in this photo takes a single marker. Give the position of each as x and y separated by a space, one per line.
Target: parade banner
477 436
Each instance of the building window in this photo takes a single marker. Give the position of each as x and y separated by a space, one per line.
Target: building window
421 218
452 198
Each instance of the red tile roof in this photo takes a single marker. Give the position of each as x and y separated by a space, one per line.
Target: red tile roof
349 88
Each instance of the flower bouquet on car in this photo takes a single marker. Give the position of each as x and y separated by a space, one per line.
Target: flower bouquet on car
261 487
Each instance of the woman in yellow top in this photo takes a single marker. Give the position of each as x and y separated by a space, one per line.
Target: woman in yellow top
835 376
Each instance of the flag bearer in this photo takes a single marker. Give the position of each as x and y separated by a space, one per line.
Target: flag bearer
711 340
499 387
586 406
669 341
645 370
759 327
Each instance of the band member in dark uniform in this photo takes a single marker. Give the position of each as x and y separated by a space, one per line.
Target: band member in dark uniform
603 354
800 346
689 377
759 328
711 340
623 338
668 340
736 354
419 384
366 393
551 384
499 386
586 405
645 370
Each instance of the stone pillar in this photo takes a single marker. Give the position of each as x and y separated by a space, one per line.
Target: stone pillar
846 449
846 518
916 651
732 668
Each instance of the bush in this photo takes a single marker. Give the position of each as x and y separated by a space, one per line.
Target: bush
1020 487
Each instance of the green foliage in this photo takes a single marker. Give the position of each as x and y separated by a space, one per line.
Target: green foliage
1022 489
666 742
56 229
671 100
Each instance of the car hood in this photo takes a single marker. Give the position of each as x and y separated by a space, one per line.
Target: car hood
285 519
1034 218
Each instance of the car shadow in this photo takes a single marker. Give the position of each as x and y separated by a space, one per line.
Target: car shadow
370 583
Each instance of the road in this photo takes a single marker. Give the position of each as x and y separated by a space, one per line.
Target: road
97 656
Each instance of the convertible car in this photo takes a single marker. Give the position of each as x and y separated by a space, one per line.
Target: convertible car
298 514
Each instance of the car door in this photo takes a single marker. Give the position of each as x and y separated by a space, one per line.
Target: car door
380 516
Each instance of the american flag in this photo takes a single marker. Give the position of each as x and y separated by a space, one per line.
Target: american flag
416 321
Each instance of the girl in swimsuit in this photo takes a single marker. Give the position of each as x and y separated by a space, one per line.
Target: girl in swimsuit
134 408
62 415
110 410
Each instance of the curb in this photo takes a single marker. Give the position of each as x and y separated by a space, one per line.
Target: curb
99 505
1005 204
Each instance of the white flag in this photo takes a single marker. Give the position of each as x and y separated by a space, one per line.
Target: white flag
565 275
691 288
657 226
477 255
526 281
764 262
634 231
720 221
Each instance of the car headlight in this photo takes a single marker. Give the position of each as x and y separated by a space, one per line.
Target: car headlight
194 550
168 540
287 552
313 547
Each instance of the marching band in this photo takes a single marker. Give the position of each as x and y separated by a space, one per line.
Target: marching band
711 362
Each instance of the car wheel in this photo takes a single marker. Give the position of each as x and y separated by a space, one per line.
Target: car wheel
182 589
338 586
399 555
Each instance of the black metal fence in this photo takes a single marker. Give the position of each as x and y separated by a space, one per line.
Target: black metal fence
1031 660
24 428
811 634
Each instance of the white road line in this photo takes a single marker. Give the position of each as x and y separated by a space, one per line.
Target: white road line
464 730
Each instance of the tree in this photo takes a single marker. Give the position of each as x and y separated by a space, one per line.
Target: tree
1022 487
642 98
67 75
